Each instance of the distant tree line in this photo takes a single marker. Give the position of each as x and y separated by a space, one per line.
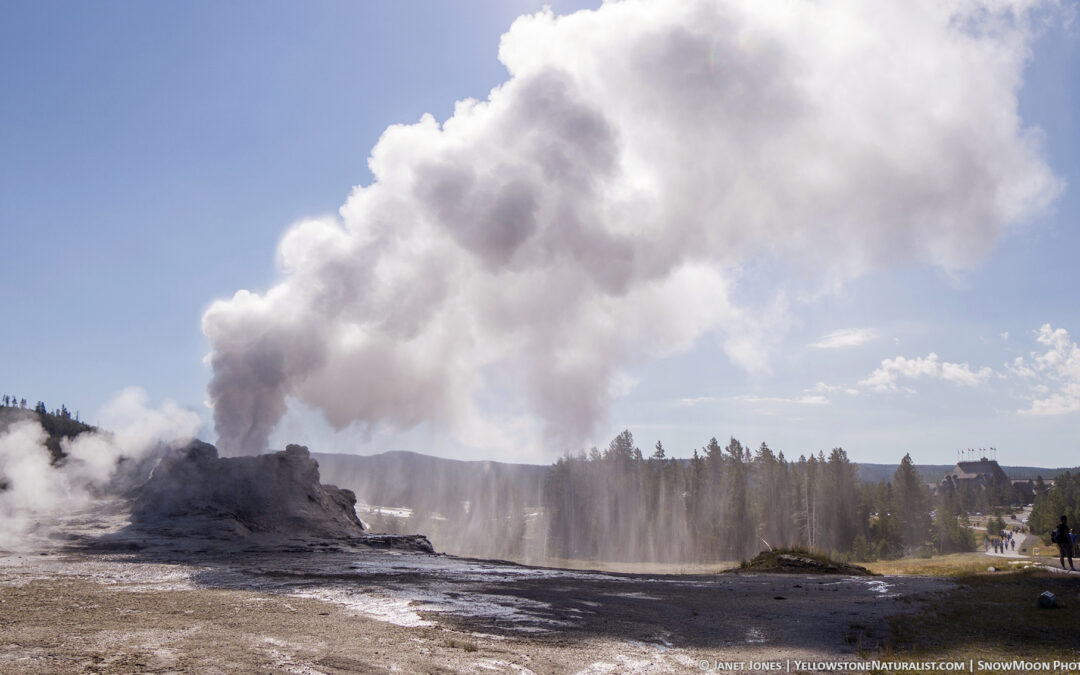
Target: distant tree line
12 401
728 503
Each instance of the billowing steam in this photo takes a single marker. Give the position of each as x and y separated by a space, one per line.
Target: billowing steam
35 490
596 208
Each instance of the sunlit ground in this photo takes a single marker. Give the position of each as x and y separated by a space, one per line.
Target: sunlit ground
941 565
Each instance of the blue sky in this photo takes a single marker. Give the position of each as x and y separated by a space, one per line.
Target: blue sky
152 155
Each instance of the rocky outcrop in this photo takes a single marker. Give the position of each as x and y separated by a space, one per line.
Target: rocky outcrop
275 500
278 492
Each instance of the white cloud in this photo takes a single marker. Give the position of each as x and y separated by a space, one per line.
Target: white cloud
847 337
798 400
1054 373
693 402
1051 376
595 210
887 376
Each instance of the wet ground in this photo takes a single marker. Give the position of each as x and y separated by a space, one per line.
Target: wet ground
568 620
408 589
507 599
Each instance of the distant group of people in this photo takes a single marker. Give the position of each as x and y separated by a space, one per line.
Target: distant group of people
1065 538
1002 542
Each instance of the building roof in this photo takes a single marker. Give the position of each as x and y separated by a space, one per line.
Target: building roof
983 470
982 466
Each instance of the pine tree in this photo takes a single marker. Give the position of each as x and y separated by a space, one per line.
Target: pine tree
912 498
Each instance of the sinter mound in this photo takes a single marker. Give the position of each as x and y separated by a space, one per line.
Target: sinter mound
799 562
273 500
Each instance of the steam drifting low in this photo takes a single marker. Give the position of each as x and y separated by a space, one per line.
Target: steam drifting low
34 490
594 211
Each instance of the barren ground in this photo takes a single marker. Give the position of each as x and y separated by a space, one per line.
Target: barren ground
372 611
212 606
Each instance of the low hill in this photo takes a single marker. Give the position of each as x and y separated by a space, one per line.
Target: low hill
933 473
432 484
479 509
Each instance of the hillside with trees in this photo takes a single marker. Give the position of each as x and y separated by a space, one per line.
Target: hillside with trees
58 423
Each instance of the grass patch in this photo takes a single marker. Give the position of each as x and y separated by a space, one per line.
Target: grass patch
993 617
940 566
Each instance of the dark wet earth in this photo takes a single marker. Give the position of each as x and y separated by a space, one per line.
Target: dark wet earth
830 613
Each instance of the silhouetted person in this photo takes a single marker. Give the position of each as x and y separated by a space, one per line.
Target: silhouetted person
1065 543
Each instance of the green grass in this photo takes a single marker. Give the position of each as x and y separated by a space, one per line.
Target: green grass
939 566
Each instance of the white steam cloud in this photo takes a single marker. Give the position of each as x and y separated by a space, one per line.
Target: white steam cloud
595 209
35 490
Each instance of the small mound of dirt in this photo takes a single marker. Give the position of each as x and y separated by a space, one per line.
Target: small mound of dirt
799 562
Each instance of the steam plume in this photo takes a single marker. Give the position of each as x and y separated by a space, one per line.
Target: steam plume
35 489
595 209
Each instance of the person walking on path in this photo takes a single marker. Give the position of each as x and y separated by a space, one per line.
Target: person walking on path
1062 537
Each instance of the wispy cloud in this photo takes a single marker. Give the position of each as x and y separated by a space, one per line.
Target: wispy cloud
822 388
691 402
798 400
845 337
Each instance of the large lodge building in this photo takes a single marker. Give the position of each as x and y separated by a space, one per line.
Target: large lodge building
984 473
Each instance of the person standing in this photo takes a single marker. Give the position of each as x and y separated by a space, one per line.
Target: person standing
1064 540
